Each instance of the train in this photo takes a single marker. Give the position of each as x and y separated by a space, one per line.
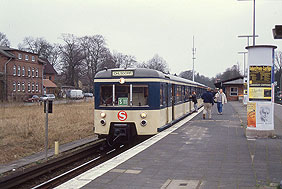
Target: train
136 102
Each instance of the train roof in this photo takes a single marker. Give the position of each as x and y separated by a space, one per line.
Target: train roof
143 73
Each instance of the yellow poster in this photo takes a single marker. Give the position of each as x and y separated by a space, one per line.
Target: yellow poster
251 114
262 93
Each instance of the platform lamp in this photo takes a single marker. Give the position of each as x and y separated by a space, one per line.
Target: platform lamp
254 21
244 53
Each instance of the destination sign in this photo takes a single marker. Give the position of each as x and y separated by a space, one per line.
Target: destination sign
120 73
260 76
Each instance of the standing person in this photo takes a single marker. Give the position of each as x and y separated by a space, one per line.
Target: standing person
194 99
221 100
208 103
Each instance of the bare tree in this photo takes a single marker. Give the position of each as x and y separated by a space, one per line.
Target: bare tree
43 48
96 56
187 74
123 60
229 73
36 45
156 63
4 40
72 58
198 78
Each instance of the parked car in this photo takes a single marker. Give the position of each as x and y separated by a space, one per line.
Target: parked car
88 94
76 94
279 96
32 98
47 96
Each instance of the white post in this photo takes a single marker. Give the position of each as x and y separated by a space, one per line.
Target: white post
46 130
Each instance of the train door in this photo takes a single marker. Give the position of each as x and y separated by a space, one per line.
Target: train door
173 99
166 102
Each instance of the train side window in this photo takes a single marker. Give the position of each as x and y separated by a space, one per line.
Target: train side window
186 93
140 95
161 94
183 93
178 94
165 98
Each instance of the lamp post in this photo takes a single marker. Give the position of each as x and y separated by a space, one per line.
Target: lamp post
254 21
244 53
248 37
193 58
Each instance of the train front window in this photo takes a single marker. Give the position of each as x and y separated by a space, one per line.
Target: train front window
124 95
106 95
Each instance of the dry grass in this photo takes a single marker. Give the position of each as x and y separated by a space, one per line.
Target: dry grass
22 128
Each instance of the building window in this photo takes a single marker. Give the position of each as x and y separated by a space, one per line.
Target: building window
19 86
32 58
36 73
28 87
32 87
15 70
50 78
233 91
26 57
19 56
32 73
14 86
19 71
36 87
23 71
28 72
23 87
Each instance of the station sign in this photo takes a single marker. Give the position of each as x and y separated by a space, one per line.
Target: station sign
122 73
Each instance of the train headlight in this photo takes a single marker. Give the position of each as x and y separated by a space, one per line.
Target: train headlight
103 122
143 123
121 80
143 115
103 114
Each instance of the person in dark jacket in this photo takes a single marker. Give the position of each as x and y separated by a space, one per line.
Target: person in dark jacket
195 101
208 103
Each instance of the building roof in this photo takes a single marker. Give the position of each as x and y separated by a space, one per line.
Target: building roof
48 68
5 51
49 84
239 81
220 83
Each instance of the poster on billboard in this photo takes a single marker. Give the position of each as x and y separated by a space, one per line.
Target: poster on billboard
264 114
251 115
260 83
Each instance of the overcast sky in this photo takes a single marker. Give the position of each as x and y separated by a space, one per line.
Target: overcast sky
143 28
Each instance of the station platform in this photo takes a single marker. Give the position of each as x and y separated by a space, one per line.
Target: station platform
194 153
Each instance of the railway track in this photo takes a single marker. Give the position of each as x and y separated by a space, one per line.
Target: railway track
59 170
25 175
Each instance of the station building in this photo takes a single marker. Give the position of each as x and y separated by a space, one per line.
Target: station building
21 74
233 88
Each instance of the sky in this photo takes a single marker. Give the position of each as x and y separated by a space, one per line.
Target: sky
143 28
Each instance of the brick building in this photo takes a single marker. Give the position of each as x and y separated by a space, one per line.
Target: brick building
49 74
233 88
20 74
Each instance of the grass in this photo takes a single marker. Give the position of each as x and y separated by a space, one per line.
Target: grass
22 128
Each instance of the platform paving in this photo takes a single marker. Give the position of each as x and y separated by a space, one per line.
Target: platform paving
202 154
